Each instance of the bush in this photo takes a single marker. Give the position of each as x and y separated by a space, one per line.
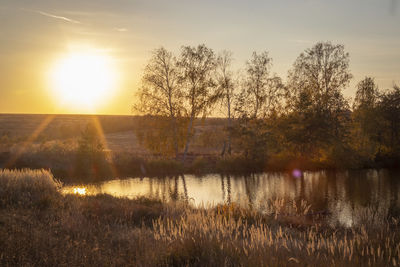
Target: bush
91 160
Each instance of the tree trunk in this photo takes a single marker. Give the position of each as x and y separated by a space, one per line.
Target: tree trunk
229 126
173 117
175 137
223 149
188 138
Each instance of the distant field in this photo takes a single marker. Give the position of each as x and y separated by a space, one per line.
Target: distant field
118 130
60 126
124 141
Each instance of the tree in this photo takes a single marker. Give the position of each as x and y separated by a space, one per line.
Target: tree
90 142
91 158
389 106
315 84
367 94
322 71
226 86
367 118
262 92
161 95
197 66
261 95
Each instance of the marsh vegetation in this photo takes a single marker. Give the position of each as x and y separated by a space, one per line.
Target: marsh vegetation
41 226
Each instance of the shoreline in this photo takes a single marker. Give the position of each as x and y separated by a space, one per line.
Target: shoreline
70 166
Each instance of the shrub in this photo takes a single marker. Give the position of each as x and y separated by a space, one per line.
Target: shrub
91 160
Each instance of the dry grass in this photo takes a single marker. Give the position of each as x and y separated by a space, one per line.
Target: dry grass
27 188
103 230
215 239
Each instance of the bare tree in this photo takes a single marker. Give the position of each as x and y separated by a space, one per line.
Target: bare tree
197 65
262 91
160 94
226 86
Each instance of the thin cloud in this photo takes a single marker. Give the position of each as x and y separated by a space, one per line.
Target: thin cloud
55 16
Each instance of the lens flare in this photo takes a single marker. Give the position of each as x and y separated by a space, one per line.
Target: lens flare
296 173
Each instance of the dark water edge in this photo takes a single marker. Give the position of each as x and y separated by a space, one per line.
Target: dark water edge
73 166
342 197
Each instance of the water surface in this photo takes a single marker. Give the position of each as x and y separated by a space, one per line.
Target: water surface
346 197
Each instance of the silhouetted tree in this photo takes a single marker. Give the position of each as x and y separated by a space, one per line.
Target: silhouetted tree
367 119
226 90
91 158
197 66
316 82
306 120
389 105
161 95
322 71
89 142
367 94
262 91
262 94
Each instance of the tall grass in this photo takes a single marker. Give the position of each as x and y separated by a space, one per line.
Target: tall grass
102 230
212 238
27 187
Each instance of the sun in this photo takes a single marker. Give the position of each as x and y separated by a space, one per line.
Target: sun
84 79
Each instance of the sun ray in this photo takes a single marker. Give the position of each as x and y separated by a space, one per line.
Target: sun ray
21 149
103 140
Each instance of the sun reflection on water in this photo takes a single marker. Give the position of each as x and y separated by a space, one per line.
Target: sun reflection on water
80 191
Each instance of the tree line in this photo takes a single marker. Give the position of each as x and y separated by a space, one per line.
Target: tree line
305 118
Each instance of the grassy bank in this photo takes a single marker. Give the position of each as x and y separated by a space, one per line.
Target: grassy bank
41 227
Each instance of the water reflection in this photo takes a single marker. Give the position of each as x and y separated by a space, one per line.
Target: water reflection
78 190
226 189
343 195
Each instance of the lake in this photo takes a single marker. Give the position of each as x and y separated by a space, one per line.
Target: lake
345 198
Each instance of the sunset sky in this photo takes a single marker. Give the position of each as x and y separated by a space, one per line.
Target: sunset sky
35 35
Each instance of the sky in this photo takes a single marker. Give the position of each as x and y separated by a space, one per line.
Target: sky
34 35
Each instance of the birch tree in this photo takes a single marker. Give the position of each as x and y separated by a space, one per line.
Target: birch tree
262 91
197 66
226 86
160 93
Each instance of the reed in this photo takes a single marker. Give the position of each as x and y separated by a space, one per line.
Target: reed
103 230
